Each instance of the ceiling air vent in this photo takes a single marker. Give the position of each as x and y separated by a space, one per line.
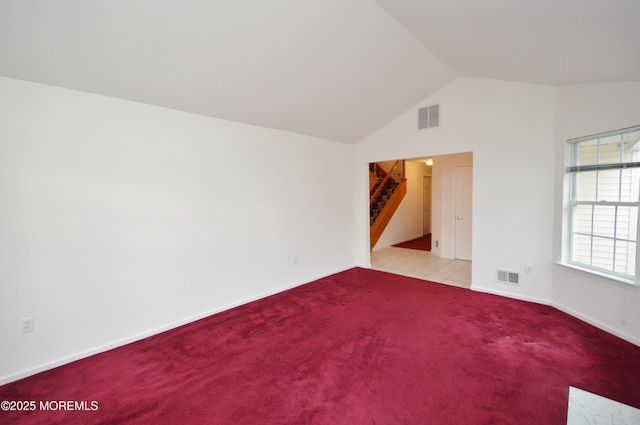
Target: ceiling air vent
428 117
505 276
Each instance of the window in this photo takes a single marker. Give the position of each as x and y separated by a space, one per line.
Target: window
604 200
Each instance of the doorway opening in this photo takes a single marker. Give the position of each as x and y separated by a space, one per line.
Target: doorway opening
438 202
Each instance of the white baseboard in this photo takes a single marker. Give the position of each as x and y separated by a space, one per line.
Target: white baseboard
597 324
564 309
142 335
133 338
509 295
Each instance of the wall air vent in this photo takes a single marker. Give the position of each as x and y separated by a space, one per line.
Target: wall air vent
428 117
505 276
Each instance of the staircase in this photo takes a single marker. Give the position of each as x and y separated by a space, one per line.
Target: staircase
386 191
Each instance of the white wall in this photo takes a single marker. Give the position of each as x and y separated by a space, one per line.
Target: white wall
510 129
120 219
584 110
406 223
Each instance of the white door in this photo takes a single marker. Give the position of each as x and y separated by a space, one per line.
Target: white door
463 217
426 205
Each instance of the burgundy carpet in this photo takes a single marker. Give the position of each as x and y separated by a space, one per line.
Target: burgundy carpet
423 243
359 347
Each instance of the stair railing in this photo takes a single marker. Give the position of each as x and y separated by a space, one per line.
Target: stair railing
385 200
393 180
376 176
396 175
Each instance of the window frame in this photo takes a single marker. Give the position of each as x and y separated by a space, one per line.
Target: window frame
573 172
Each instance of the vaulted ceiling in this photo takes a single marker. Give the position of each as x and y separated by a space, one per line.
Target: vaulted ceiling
335 69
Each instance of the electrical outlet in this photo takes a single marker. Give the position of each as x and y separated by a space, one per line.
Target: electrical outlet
295 261
26 325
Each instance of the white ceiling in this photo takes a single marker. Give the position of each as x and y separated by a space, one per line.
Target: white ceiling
555 42
335 69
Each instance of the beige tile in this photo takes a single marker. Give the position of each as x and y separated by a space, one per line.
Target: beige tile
456 283
422 265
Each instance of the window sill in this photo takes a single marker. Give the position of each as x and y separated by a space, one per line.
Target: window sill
602 277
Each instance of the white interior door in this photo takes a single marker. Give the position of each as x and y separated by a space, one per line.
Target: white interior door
426 205
463 218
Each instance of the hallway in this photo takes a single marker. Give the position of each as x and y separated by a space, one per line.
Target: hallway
422 265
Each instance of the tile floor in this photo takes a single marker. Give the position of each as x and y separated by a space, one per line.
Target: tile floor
422 265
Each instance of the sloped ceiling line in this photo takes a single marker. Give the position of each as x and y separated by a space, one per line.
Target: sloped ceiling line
335 69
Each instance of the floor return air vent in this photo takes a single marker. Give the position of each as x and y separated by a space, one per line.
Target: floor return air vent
505 276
